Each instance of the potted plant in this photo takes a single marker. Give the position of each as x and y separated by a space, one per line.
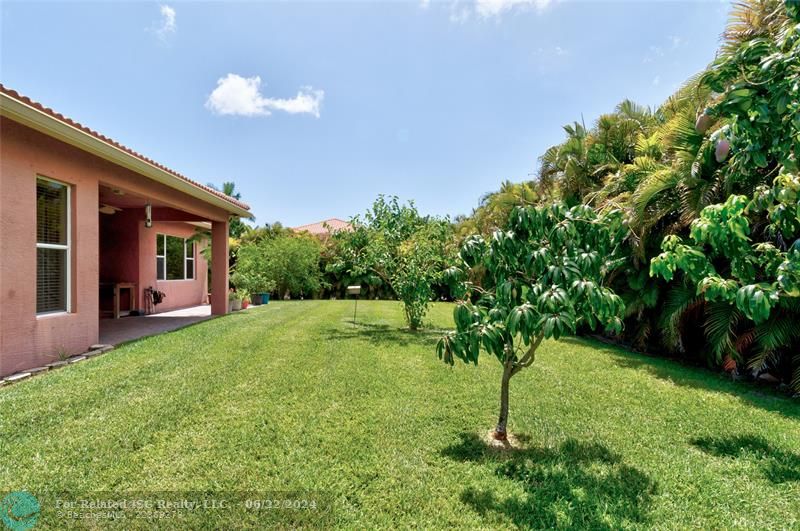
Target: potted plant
265 288
245 298
234 301
249 284
253 285
257 285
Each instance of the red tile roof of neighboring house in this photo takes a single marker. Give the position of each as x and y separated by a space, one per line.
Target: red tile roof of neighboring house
327 226
58 116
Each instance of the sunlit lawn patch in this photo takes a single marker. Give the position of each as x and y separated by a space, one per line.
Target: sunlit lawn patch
292 399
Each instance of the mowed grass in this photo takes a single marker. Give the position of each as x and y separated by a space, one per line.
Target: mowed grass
292 401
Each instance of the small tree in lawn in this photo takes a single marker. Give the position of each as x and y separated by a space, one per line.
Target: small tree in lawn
395 245
546 273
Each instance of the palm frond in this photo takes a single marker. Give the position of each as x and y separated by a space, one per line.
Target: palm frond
679 299
771 336
679 133
777 331
720 325
654 184
750 19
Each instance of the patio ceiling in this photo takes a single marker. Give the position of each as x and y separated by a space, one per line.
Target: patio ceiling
122 200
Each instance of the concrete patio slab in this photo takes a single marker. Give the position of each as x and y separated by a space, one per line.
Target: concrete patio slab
116 331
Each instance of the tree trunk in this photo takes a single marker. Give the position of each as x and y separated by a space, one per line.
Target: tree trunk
500 433
412 324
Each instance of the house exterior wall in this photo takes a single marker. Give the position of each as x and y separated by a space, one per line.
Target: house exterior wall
28 340
179 293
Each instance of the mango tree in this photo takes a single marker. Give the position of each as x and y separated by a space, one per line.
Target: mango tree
543 278
743 255
756 278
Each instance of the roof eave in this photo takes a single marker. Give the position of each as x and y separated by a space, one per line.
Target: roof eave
44 123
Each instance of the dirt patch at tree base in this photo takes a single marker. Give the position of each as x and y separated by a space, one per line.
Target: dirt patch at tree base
511 443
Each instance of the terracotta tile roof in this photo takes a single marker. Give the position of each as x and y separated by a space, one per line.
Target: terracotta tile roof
60 117
320 228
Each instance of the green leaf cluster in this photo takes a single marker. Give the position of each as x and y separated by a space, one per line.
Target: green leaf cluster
544 278
287 264
753 276
394 245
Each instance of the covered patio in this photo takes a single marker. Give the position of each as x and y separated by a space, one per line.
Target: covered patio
116 331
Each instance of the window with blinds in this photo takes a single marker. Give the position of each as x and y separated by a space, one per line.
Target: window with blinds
174 258
52 246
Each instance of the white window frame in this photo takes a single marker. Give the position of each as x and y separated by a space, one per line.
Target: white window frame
61 247
185 259
163 257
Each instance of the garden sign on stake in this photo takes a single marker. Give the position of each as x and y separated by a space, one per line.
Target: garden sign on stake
354 290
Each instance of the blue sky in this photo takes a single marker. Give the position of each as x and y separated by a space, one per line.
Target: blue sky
433 101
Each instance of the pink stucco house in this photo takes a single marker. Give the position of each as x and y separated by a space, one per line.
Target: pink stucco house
80 214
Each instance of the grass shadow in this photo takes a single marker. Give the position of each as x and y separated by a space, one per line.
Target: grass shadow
579 484
695 377
383 334
777 465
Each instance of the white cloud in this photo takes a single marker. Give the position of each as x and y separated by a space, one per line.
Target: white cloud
237 95
424 4
656 81
493 8
462 11
168 25
307 101
459 13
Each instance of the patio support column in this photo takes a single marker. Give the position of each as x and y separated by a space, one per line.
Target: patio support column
219 267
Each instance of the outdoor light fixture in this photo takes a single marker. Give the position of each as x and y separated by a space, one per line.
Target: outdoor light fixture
108 209
148 215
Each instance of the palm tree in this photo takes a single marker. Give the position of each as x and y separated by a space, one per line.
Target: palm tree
236 226
495 207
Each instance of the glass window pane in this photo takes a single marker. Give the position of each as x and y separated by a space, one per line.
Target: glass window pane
159 268
174 258
189 249
189 268
160 244
51 280
51 212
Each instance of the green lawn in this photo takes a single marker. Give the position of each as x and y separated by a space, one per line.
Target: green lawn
291 401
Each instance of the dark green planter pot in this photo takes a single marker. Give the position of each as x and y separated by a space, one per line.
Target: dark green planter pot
265 298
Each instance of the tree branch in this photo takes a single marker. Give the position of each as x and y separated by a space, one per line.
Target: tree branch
529 357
